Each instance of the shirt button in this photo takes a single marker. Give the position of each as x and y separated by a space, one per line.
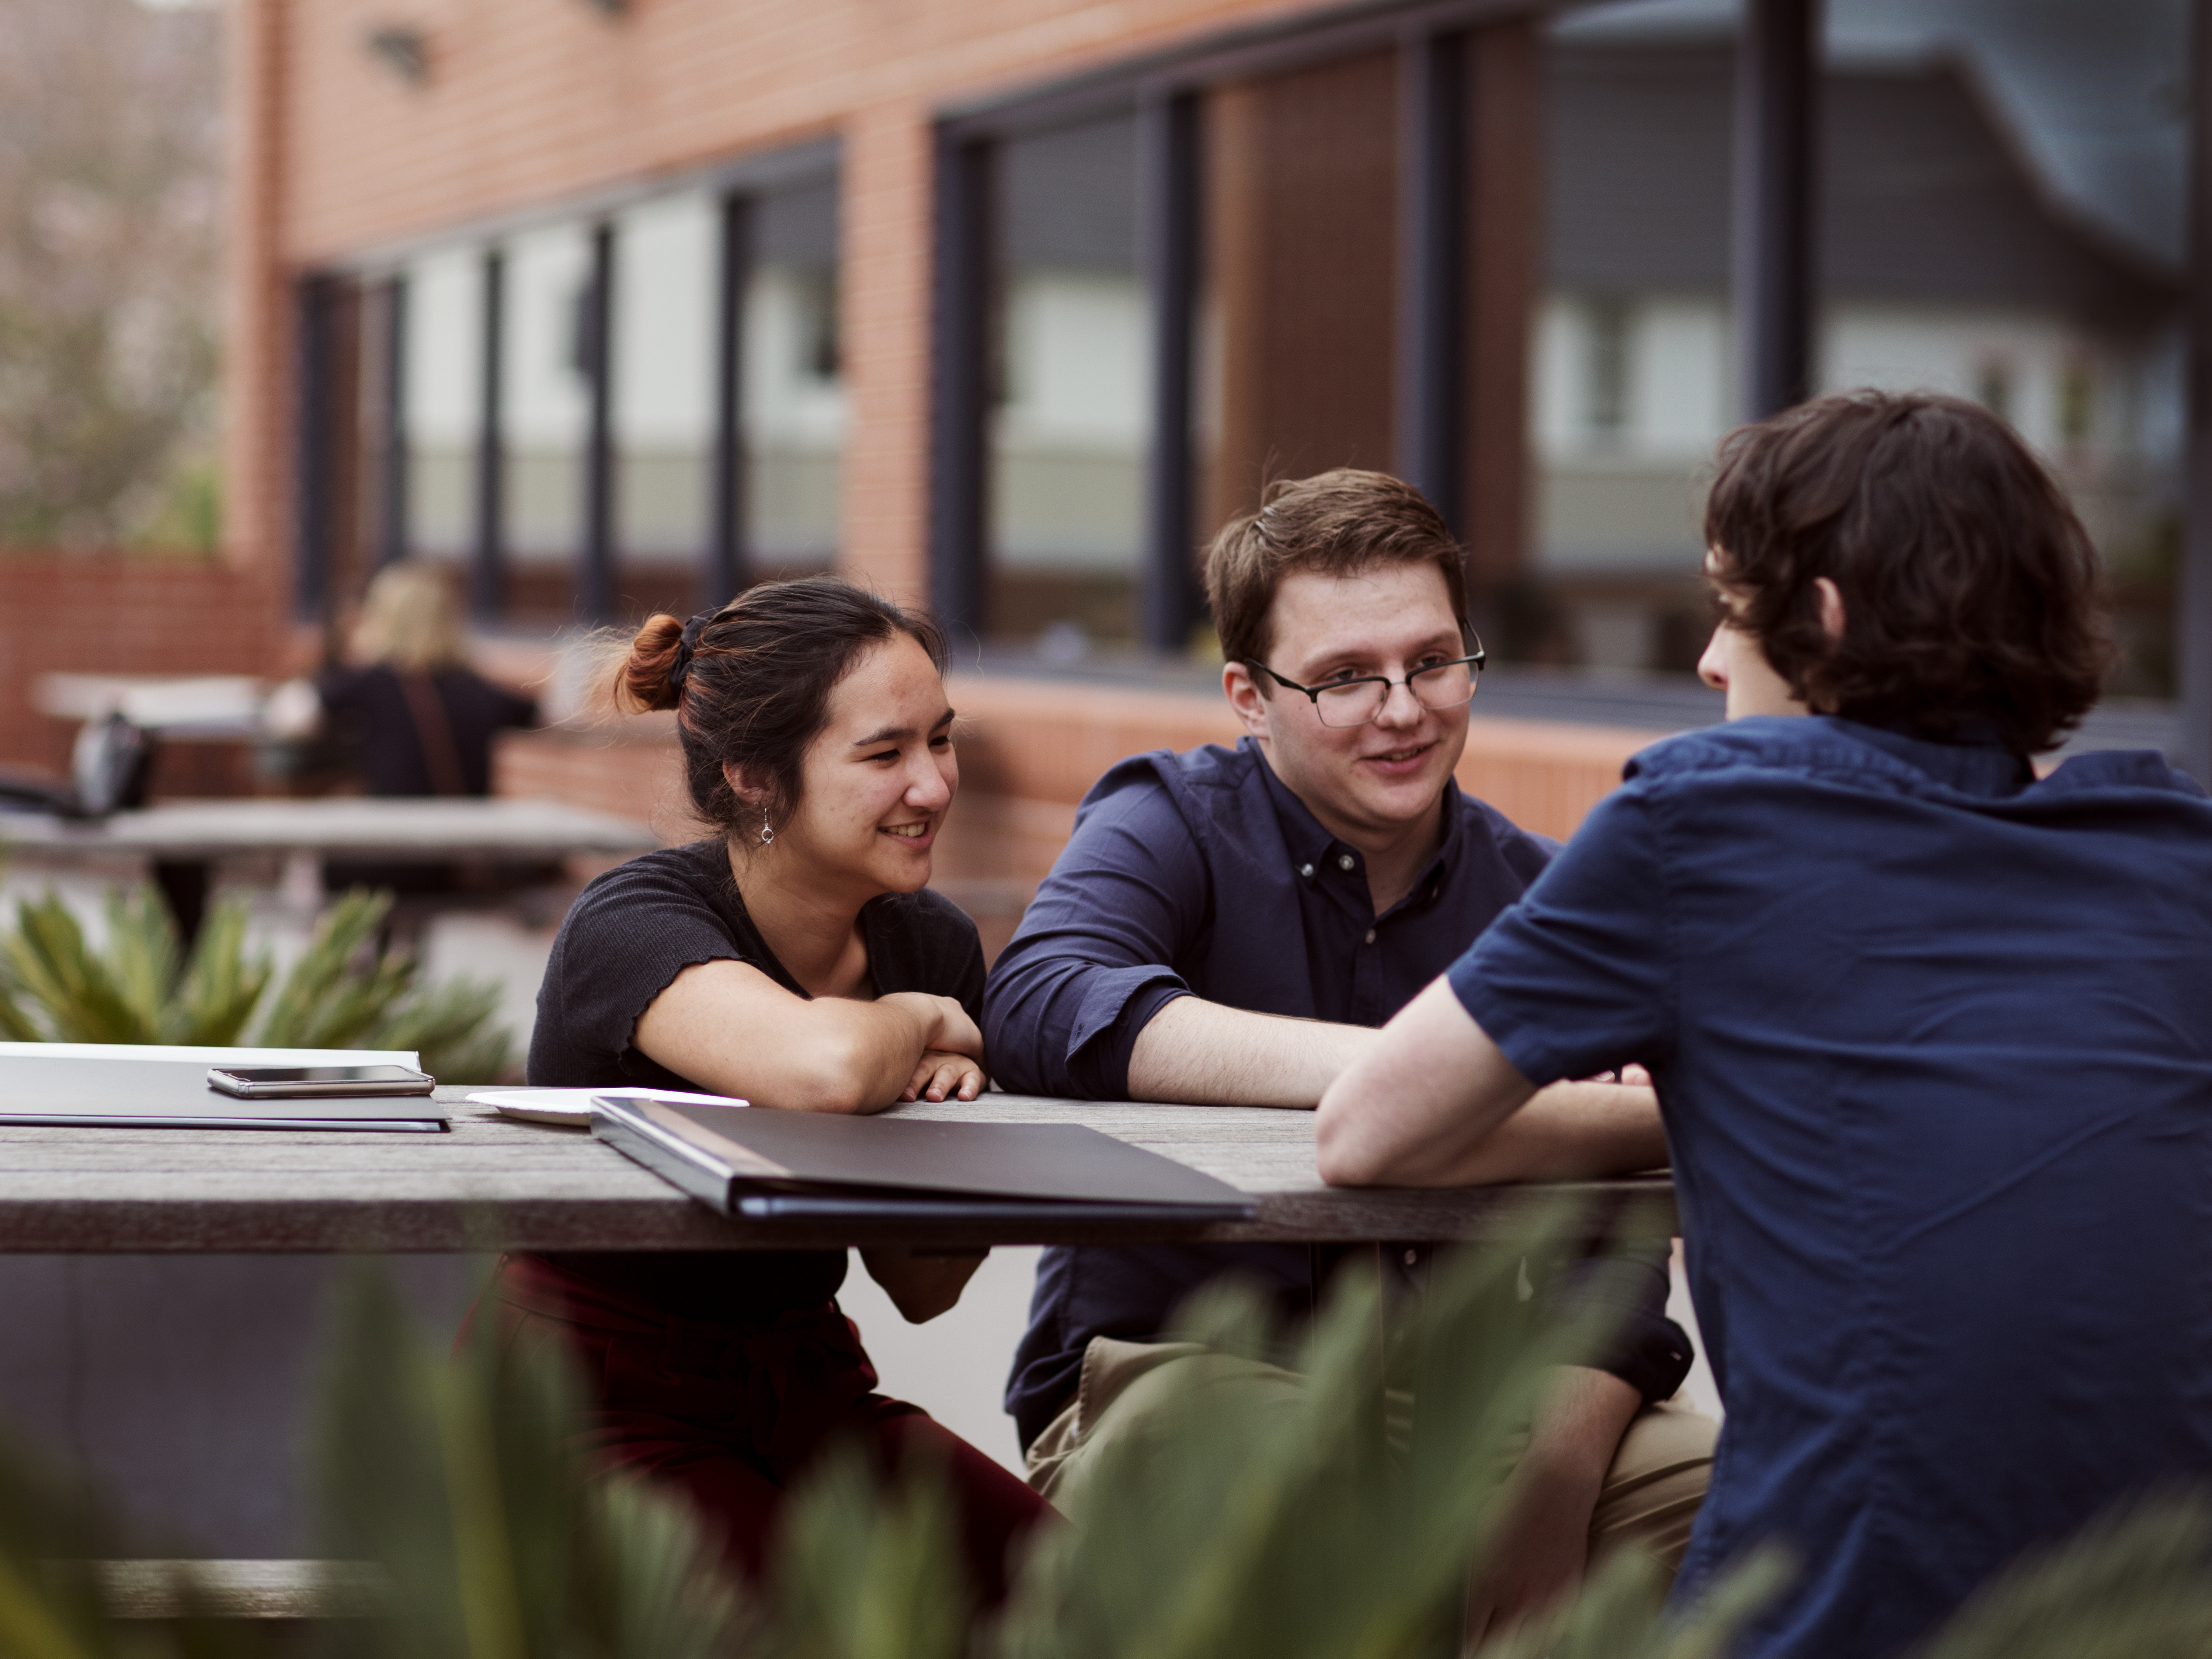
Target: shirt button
1370 936
1306 870
1343 861
1413 1258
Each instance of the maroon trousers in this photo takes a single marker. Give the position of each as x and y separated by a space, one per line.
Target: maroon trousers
732 1415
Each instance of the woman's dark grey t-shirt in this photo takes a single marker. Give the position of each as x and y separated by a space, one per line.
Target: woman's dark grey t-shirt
629 934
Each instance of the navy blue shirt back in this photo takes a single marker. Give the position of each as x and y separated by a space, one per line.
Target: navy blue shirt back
1934 1045
1201 874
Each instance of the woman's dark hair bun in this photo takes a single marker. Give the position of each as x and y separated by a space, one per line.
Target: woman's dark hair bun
642 680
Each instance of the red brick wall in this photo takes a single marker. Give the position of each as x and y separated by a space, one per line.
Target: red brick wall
95 613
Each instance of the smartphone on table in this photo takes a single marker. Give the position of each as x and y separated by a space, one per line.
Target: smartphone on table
317 1082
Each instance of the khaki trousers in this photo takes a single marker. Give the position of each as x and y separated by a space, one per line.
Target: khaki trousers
1650 1496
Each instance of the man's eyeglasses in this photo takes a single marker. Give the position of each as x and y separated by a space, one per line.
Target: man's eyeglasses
1440 686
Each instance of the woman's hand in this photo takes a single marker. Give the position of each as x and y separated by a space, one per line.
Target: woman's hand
733 1030
957 1033
939 1075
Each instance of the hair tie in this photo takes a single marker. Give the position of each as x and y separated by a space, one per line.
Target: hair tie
680 670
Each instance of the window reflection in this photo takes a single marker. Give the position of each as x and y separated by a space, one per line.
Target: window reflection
546 405
441 396
667 259
2000 220
793 388
1067 432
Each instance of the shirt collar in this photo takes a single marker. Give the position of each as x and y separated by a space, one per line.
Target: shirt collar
1312 848
1974 762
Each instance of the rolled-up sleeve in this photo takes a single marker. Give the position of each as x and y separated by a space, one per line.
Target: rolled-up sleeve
1621 1291
1578 978
1091 962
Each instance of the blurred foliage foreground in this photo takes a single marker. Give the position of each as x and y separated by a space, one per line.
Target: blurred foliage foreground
1219 1535
344 992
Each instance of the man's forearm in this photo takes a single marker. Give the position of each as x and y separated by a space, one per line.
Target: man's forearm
1579 1422
1542 1542
1201 1054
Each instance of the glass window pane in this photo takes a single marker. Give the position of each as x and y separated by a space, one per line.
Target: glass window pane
1632 374
1068 430
667 262
794 384
546 400
2004 223
442 397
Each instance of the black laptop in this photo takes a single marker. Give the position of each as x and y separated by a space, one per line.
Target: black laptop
768 1165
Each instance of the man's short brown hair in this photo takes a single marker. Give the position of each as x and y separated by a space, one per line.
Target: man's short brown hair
1970 588
1338 522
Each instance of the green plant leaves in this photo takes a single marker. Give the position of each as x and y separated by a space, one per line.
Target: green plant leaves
1303 1532
341 986
82 995
462 1476
222 985
344 992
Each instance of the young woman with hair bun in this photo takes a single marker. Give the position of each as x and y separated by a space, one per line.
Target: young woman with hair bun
796 958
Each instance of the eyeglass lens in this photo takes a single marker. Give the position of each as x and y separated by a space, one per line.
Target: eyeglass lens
1447 685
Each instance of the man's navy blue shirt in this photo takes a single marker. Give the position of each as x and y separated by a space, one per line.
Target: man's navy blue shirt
1201 874
1930 1038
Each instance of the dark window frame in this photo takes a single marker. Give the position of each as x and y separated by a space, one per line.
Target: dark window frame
725 560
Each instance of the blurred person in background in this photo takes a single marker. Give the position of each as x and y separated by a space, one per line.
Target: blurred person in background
410 717
416 718
1928 1030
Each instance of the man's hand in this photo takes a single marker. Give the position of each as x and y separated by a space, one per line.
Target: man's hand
1541 1544
1434 1103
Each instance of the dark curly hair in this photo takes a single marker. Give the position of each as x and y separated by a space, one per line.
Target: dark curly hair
751 685
1970 588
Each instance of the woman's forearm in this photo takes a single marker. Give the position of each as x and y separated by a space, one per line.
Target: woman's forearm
732 1030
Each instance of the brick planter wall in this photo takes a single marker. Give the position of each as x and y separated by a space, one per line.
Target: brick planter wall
112 613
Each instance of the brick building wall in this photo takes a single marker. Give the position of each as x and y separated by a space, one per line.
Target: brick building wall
89 614
528 103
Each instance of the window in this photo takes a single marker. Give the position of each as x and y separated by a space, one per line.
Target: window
1070 411
601 415
442 397
793 402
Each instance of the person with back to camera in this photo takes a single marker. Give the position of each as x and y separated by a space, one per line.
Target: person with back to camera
420 719
1228 926
415 718
1928 1030
795 959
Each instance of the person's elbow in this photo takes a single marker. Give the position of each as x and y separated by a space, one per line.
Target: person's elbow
840 1072
1350 1148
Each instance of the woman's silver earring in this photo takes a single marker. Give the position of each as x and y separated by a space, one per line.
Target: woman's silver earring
767 834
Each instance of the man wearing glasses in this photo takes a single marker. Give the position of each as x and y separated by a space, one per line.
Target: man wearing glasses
1228 927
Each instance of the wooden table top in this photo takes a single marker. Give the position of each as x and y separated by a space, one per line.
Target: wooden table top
496 1184
392 830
